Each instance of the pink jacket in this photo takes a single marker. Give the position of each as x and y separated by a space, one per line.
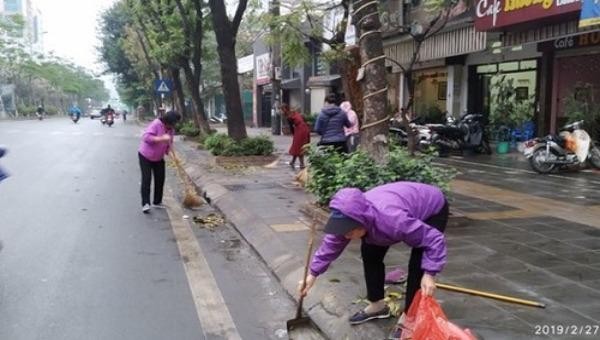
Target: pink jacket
352 117
155 151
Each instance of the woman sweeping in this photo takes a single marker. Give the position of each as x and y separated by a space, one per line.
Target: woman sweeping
412 213
156 143
301 133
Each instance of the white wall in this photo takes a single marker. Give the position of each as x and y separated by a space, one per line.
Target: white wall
317 99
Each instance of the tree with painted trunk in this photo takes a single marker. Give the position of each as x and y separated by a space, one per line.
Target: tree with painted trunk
226 31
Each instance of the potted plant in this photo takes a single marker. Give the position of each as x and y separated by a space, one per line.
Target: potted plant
501 113
511 112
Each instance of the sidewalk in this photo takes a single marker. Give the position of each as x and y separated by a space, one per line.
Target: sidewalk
526 252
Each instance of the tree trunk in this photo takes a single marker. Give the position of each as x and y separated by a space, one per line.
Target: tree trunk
406 111
236 126
225 32
194 87
375 124
179 96
349 70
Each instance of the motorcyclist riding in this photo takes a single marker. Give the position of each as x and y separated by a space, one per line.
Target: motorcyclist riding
75 112
40 112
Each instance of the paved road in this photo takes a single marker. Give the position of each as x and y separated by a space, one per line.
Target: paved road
78 260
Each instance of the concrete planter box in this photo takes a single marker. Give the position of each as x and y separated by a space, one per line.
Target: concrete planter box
245 160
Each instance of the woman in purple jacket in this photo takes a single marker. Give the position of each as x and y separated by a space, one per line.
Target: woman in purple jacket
156 143
413 213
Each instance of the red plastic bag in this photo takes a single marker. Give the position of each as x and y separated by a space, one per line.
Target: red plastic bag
425 320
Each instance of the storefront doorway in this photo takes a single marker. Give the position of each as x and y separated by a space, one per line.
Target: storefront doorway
522 74
576 85
430 92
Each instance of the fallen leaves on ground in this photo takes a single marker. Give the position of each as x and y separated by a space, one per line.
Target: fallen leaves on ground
394 298
209 221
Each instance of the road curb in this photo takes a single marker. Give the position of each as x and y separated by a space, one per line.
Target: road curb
328 308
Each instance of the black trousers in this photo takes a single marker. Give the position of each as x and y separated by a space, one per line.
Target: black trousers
149 169
374 268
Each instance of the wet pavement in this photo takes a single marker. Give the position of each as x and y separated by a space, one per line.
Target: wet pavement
519 240
78 259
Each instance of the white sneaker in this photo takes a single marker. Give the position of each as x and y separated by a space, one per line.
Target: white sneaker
146 208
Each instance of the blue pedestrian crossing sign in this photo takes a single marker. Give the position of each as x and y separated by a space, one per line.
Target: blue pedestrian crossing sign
163 85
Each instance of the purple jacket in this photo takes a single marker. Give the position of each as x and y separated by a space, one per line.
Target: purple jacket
154 151
391 213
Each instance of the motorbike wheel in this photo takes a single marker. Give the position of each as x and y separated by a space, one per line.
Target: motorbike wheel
538 165
485 148
594 157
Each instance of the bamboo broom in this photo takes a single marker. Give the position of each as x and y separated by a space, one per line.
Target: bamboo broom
191 198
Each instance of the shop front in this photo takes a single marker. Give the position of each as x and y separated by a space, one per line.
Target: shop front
486 78
566 68
431 87
576 70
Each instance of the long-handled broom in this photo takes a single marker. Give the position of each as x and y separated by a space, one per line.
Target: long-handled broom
191 198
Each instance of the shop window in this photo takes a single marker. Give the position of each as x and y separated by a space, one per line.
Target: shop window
522 93
507 67
442 89
493 68
529 65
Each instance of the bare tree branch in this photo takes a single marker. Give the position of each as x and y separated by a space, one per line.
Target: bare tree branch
239 13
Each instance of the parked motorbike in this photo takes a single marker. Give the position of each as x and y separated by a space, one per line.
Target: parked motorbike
571 147
418 127
468 133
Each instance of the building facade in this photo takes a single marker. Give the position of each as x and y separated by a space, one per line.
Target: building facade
539 46
32 35
565 54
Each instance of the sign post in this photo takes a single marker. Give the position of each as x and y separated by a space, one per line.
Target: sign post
163 87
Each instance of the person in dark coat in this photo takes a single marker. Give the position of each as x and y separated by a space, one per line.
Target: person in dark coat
3 174
301 133
330 124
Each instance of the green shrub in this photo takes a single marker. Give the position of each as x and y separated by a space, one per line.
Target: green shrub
310 120
331 171
188 128
26 110
217 143
222 145
261 146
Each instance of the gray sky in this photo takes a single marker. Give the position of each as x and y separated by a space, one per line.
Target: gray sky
71 27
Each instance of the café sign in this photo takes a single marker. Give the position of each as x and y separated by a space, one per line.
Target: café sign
495 14
576 41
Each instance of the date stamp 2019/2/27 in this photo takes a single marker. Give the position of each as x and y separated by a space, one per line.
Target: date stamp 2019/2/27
566 330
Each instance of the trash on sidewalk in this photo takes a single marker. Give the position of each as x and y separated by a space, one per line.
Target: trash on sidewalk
396 276
426 320
210 221
394 299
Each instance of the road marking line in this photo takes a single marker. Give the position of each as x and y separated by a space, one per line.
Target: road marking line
211 308
98 134
54 133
